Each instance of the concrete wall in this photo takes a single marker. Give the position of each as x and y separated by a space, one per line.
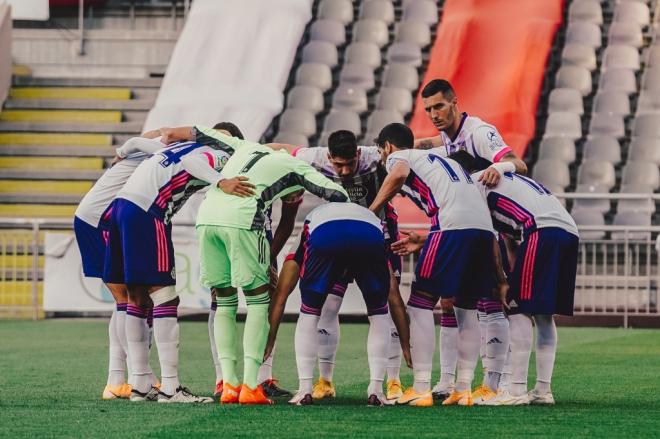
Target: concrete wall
5 51
107 53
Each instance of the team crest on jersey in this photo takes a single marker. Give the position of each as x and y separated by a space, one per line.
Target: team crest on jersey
173 273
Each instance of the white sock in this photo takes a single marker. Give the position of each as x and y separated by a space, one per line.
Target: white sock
378 346
497 348
506 375
137 337
394 353
468 347
117 363
328 335
483 332
266 368
214 348
306 350
422 346
166 334
521 349
448 349
546 348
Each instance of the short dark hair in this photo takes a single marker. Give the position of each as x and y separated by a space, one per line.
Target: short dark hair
397 134
438 86
231 128
464 159
342 144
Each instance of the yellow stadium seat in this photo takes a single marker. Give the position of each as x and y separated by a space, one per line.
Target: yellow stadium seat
55 139
51 163
44 187
38 210
90 116
70 93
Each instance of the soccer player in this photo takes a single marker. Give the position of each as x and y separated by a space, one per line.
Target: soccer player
140 253
460 132
543 277
359 171
90 236
461 238
341 238
234 253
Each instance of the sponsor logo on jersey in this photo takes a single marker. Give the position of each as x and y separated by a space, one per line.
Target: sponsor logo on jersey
494 140
356 193
513 304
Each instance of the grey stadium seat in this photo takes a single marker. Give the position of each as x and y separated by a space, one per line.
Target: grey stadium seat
613 102
632 12
587 217
626 33
651 79
414 32
421 10
581 32
371 31
602 148
558 148
398 99
379 118
306 97
596 172
382 10
339 10
617 56
405 53
291 138
643 149
298 121
565 99
357 75
618 80
342 120
563 124
632 218
607 125
641 173
648 102
647 125
574 77
314 74
401 75
595 204
363 53
320 52
641 205
586 10
350 98
579 55
551 173
331 31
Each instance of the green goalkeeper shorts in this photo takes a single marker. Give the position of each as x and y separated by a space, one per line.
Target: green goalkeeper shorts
232 257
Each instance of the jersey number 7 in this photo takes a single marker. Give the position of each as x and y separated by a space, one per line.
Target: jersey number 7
257 155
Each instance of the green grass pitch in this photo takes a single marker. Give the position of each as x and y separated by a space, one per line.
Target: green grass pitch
607 384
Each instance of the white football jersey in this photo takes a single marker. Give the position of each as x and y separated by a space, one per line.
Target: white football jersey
479 139
520 203
161 184
328 212
100 196
443 190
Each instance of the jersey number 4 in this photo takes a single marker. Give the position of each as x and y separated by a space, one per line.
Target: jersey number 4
175 153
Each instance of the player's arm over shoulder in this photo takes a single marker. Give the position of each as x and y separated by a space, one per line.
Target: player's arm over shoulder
490 145
398 169
428 142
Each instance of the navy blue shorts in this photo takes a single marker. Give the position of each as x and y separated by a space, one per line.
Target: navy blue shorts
456 264
91 242
140 249
543 278
340 249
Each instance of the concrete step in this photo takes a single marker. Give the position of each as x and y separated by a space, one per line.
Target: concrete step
26 81
62 139
42 127
61 116
50 174
44 187
38 210
57 151
143 105
19 198
37 163
70 93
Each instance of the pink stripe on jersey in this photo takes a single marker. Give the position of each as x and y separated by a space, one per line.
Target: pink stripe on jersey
429 258
295 151
519 214
159 255
528 267
209 157
500 154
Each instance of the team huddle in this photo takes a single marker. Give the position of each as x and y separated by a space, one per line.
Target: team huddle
500 258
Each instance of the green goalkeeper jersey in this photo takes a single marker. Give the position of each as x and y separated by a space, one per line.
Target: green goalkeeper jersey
275 175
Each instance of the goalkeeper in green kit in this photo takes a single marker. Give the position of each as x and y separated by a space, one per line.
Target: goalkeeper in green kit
234 251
